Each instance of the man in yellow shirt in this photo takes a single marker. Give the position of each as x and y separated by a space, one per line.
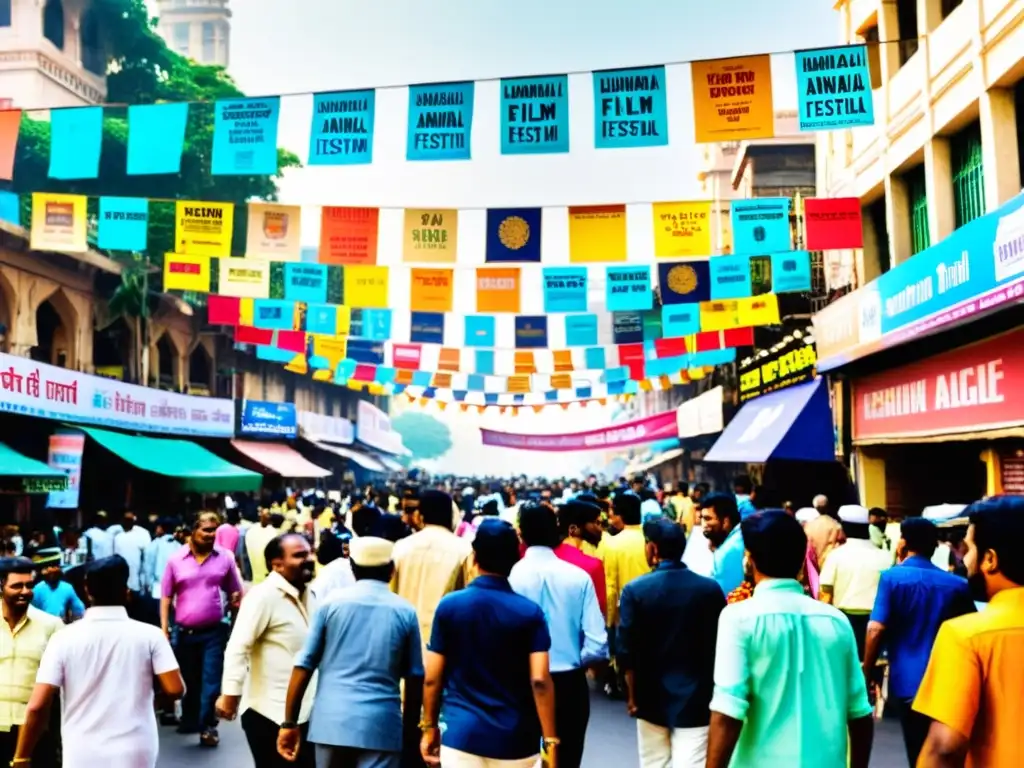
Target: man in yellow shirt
257 538
972 687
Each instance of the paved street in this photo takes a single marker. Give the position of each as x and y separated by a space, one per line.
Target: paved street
611 743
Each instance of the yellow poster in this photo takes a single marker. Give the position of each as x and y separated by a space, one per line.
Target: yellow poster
597 233
682 229
185 272
366 287
431 290
344 321
759 310
732 99
204 229
332 350
58 222
244 278
431 235
719 315
274 232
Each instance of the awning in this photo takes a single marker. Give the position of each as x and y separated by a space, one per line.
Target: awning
363 460
34 476
280 459
194 467
389 463
793 424
662 458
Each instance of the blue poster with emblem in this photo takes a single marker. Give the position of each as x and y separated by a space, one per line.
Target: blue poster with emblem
480 331
531 331
427 328
680 320
513 234
834 88
628 288
580 330
730 277
791 272
565 289
760 226
535 115
245 136
684 282
440 122
305 282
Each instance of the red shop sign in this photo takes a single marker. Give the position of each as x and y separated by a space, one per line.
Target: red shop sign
972 388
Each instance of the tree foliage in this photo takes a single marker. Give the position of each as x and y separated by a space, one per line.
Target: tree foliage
425 436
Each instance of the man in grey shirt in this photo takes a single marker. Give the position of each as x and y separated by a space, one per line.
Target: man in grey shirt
363 641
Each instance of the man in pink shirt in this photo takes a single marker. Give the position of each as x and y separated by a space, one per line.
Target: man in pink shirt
228 533
195 581
581 522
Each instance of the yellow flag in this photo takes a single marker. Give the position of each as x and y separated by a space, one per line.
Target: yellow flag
244 278
597 233
682 229
366 287
204 229
758 310
719 315
58 223
186 272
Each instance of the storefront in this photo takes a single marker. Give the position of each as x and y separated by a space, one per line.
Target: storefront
266 431
374 432
329 441
699 421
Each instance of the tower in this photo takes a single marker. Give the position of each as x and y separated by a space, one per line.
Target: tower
198 29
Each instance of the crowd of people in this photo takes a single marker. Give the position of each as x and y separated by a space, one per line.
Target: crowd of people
463 623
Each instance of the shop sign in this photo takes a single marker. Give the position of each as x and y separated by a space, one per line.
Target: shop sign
836 327
702 415
65 454
264 419
373 427
660 426
49 392
326 429
977 387
792 364
1011 471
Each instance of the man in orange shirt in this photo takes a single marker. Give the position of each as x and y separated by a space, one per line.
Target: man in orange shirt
972 687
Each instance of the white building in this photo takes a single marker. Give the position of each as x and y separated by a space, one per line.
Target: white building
199 29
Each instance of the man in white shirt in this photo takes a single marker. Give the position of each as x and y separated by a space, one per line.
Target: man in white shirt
103 667
271 628
98 538
130 542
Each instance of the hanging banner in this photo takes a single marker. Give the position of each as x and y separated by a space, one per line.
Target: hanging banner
757 311
628 288
274 315
76 141
366 287
305 282
648 430
406 356
431 290
497 290
531 331
274 231
427 328
630 108
204 229
322 319
732 99
790 364
244 278
513 235
185 272
834 88
156 138
678 320
58 223
791 272
730 277
597 233
535 115
440 121
245 136
833 223
10 127
682 229
719 315
123 224
342 131
333 351
684 282
431 236
565 289
66 449
348 235
479 331
760 226
627 328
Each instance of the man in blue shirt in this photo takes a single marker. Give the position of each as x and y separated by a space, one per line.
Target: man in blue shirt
56 597
488 652
720 520
913 600
579 638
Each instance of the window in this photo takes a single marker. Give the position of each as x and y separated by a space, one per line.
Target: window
53 22
880 231
948 6
209 42
93 56
870 36
182 33
5 13
968 175
920 237
906 17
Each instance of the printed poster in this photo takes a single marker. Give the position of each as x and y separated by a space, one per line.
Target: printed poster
531 331
791 272
58 222
76 141
834 88
431 236
630 108
10 127
366 286
732 99
758 310
565 289
833 223
760 226
580 330
427 328
245 136
123 224
204 229
480 330
678 320
597 233
431 290
682 229
730 277
274 232
244 278
342 131
440 121
156 138
684 282
322 319
348 235
535 115
497 290
628 288
274 314
513 235
719 315
627 328
186 272
305 282
65 454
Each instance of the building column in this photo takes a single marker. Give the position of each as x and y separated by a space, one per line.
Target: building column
999 148
897 218
929 16
888 29
870 479
938 184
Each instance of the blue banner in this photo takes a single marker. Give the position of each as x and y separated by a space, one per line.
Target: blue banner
274 355
123 224
427 328
679 320
834 88
273 314
595 359
375 324
513 235
475 382
322 319
305 282
627 328
531 331
760 226
652 324
580 330
245 136
485 361
630 108
791 272
684 282
628 288
156 138
342 132
730 277
440 121
535 115
269 419
76 141
365 351
480 331
10 207
666 366
565 289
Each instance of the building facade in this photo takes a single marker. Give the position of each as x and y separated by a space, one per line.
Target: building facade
198 29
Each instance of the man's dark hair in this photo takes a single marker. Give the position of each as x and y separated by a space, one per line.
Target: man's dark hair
490 508
436 508
106 581
668 537
627 506
275 548
704 488
496 547
743 484
999 525
856 530
921 535
724 505
538 525
19 565
776 543
374 572
579 513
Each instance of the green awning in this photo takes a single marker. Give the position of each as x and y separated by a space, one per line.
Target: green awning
33 476
194 467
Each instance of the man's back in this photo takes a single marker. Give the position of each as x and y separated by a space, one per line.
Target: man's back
853 571
625 558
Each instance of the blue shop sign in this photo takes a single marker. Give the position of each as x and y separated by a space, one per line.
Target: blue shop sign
269 419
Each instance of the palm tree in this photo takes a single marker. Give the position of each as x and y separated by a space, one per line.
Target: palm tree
130 300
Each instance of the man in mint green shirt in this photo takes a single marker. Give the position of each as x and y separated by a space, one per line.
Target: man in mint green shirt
789 691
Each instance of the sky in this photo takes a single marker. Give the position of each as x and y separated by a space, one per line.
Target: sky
276 48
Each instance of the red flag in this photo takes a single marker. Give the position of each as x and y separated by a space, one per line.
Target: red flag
833 224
